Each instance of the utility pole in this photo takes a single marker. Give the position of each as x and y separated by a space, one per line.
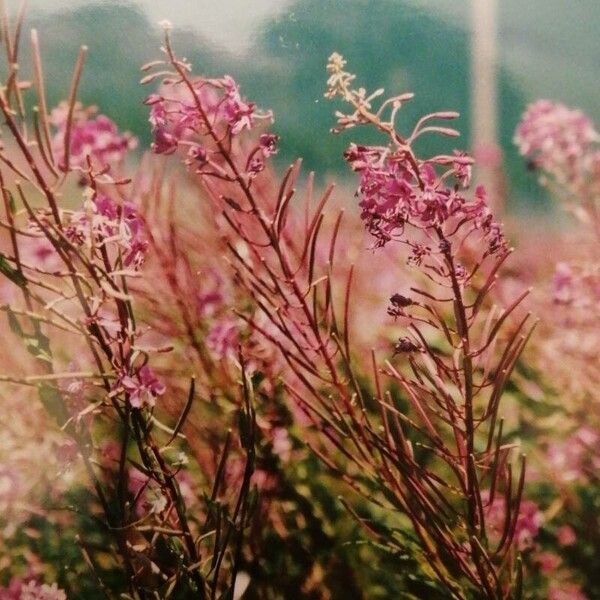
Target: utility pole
484 101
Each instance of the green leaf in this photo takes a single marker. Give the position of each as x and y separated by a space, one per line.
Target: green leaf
517 593
36 343
53 403
11 273
11 202
14 324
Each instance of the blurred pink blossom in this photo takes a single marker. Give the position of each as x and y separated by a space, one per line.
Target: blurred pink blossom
98 138
548 562
143 388
562 283
528 523
38 252
569 458
282 445
566 591
36 591
565 535
555 137
223 339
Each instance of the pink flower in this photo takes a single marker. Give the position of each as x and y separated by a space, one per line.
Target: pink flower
222 339
238 113
174 115
171 120
565 535
197 157
255 166
566 591
562 283
35 591
98 138
143 388
555 138
268 144
177 115
282 445
107 223
13 591
38 252
528 522
548 562
396 192
569 458
164 141
105 207
107 320
158 113
136 254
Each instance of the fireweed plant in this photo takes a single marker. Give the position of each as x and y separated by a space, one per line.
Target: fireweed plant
454 384
73 268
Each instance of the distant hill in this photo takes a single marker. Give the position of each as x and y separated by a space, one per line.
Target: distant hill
417 45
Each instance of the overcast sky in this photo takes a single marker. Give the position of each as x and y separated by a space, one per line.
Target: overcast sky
228 23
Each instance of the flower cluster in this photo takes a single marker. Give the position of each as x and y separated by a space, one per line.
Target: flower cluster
577 286
142 388
102 223
556 139
174 115
31 590
199 116
223 339
526 526
396 191
564 145
96 138
574 459
566 591
35 591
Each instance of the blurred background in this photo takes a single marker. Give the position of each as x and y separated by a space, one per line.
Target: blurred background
484 58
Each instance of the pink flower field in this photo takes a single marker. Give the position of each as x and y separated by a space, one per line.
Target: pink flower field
226 379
